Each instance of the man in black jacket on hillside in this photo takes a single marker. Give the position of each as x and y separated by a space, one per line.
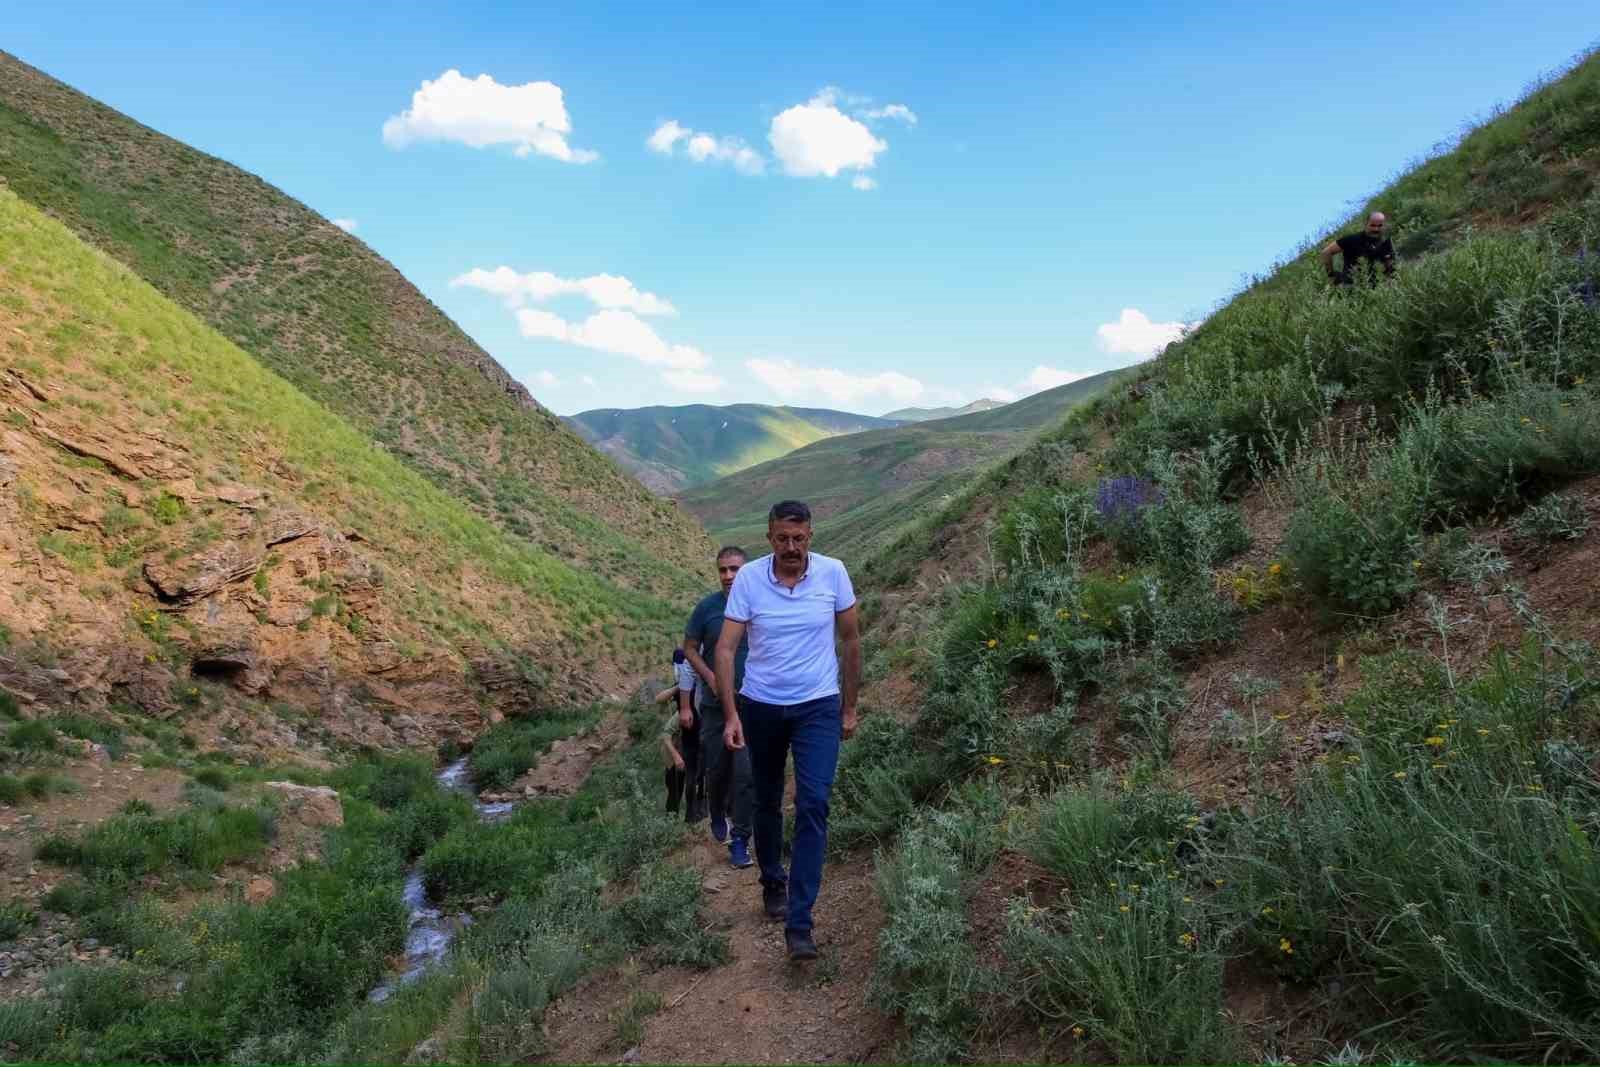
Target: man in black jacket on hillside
1371 245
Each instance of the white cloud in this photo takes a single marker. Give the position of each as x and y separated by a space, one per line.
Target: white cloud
347 225
702 147
619 332
892 111
1000 393
602 290
862 182
791 380
480 112
1042 377
546 379
693 381
667 134
816 139
589 381
1136 335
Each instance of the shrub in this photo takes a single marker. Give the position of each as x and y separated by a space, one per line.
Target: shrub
32 736
663 915
213 777
1140 970
133 845
1558 517
881 779
512 747
1355 537
106 734
1044 526
8 703
15 917
926 969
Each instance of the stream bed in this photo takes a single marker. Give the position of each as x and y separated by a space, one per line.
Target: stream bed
431 932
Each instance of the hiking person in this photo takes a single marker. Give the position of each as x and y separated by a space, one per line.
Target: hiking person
729 789
683 772
1370 244
792 603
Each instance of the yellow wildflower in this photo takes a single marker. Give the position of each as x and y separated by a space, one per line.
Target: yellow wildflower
992 642
1399 776
1275 570
1123 907
1188 900
1433 742
1439 766
1285 946
1186 939
1033 637
1535 788
1077 1032
995 761
1267 910
1482 732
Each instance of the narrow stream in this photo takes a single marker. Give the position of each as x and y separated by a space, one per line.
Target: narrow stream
431 931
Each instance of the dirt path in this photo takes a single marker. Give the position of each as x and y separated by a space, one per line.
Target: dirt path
757 1007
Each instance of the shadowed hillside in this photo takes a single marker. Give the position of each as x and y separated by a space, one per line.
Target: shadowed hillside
320 308
675 448
924 414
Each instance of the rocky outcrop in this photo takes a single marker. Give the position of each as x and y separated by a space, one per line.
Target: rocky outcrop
196 576
309 805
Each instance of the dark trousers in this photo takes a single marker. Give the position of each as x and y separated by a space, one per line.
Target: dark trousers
689 783
730 789
811 732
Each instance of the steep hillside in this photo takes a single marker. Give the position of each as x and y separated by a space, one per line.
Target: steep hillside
924 414
184 533
863 488
1278 672
320 308
674 448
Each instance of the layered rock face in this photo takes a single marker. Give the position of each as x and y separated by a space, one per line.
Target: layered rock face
130 577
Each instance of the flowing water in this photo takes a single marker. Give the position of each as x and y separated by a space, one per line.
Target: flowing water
431 931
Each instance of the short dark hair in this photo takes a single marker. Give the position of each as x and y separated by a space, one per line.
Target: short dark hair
788 511
730 550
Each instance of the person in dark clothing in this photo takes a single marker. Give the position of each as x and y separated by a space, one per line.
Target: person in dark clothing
730 788
684 777
1370 244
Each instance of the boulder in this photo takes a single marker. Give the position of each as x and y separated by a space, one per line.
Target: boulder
310 805
245 497
200 574
260 890
281 526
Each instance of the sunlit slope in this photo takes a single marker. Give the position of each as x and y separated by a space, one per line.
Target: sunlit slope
319 307
674 448
108 359
866 485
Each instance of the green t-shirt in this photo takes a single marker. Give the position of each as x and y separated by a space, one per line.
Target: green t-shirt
705 627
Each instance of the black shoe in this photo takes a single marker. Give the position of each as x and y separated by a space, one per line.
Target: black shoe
775 899
801 947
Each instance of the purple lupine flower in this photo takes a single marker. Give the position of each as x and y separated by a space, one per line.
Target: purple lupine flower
1121 499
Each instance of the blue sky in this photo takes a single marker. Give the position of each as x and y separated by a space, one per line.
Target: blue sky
1075 183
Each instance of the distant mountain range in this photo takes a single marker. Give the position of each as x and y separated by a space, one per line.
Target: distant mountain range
864 487
927 414
671 449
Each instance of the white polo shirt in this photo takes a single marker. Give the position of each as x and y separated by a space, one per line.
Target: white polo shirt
792 658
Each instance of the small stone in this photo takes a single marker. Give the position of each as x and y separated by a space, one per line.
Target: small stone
260 890
104 953
632 1055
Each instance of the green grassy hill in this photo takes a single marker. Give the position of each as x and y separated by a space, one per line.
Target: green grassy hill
1280 675
865 487
139 442
674 448
317 306
924 414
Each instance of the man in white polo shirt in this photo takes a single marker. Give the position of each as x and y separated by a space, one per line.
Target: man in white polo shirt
792 603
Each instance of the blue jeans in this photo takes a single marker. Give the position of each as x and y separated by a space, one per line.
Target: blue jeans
811 731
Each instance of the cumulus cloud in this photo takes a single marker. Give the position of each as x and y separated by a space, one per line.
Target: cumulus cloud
791 380
892 111
1134 333
620 332
546 379
347 225
480 112
602 290
816 139
862 182
702 147
588 380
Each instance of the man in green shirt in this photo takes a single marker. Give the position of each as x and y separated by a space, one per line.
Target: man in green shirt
729 784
